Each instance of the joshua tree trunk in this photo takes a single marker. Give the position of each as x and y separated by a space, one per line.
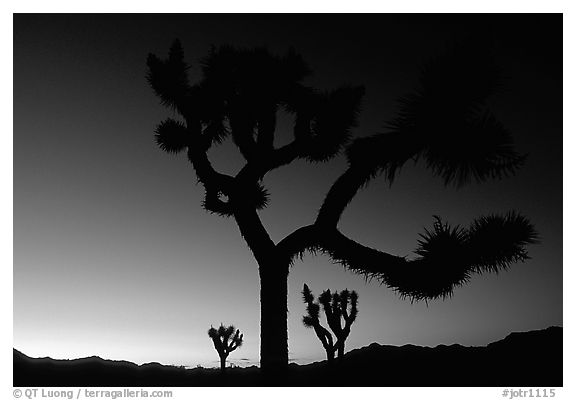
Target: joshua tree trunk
222 364
340 350
273 271
330 355
273 317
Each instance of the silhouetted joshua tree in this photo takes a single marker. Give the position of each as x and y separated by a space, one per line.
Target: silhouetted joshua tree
446 123
226 339
339 308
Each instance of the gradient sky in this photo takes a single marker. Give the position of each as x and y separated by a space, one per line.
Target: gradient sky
113 255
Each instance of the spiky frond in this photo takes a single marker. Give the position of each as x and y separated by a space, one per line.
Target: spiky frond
446 123
354 298
313 310
229 331
335 302
443 264
308 321
221 330
344 297
171 136
334 115
215 130
447 117
325 299
307 295
260 197
212 332
253 77
224 333
441 242
453 84
236 341
479 149
353 306
169 78
497 241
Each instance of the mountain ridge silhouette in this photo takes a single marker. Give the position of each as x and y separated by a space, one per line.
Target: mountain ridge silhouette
531 358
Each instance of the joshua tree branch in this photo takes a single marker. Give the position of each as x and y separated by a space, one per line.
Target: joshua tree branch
315 238
218 345
268 160
339 196
214 204
333 318
367 157
206 174
243 133
252 230
266 128
296 243
285 155
214 182
448 257
324 336
345 315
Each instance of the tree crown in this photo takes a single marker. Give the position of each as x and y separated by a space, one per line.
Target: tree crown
446 122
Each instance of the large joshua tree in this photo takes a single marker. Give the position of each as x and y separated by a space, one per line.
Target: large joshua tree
445 123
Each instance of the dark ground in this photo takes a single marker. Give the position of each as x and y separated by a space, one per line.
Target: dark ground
521 359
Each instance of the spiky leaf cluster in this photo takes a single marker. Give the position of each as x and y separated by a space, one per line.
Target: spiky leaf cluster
312 308
335 113
446 122
241 91
239 95
494 242
171 136
254 76
169 78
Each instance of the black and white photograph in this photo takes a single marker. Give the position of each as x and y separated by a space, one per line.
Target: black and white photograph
288 200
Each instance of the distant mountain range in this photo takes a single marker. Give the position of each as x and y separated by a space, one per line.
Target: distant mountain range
521 359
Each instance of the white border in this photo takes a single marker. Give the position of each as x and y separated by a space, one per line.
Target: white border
301 6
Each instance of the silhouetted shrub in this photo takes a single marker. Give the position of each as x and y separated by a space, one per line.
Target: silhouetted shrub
340 309
225 341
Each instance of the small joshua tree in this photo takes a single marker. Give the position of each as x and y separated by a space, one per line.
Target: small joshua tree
339 308
225 341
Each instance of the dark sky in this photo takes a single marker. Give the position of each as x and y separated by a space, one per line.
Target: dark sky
114 256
